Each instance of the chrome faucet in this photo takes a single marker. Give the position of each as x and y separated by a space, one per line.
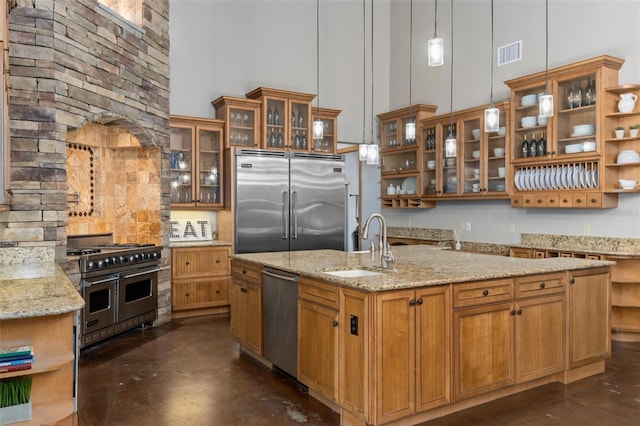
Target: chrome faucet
384 249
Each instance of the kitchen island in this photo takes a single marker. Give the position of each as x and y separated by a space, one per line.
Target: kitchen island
440 332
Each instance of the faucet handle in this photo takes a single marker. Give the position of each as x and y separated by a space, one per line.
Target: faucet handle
388 253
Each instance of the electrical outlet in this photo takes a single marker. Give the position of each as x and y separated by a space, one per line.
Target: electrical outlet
587 230
512 227
467 226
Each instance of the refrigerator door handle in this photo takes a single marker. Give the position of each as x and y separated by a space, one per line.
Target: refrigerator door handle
285 215
294 212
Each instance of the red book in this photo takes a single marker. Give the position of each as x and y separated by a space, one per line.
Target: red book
10 368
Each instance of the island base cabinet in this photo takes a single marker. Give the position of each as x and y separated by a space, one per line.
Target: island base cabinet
246 305
412 352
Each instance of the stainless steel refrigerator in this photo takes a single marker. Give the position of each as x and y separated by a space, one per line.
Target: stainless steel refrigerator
289 201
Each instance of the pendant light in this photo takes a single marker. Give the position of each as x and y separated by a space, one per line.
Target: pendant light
410 126
362 149
492 114
373 155
450 144
545 102
435 45
318 125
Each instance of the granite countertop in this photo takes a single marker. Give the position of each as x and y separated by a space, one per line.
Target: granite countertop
36 289
210 243
446 238
415 266
584 244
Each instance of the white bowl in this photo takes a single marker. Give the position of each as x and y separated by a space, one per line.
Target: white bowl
475 133
498 152
502 131
583 130
542 120
529 121
431 164
529 100
627 183
450 162
589 146
573 148
476 154
628 156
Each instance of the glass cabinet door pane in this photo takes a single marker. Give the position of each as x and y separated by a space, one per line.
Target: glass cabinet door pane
275 123
429 156
389 136
473 164
242 131
496 166
299 126
181 163
209 166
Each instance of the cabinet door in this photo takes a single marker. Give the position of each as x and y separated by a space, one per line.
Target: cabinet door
238 299
483 358
254 318
589 335
276 115
182 142
209 166
318 348
395 348
539 337
198 261
199 293
433 347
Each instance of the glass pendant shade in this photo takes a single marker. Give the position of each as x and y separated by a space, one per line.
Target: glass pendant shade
491 120
318 129
363 150
450 146
545 103
410 131
372 155
435 51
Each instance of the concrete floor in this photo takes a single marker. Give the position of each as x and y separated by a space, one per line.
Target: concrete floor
189 372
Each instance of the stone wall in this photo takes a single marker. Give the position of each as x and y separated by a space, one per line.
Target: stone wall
73 62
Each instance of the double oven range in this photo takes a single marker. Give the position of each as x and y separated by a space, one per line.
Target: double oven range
118 282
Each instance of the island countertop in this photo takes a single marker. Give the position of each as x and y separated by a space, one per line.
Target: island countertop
36 289
415 266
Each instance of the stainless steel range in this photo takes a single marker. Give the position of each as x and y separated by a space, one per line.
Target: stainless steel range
119 284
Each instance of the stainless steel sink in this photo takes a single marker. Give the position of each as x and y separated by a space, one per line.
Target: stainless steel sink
353 273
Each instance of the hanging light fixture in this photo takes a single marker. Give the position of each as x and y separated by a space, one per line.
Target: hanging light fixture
373 155
492 114
363 149
410 126
318 125
435 45
451 143
545 102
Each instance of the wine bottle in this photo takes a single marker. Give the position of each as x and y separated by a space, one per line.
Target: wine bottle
280 139
276 117
542 145
525 147
272 139
593 88
300 120
533 146
569 98
587 95
577 95
293 119
303 141
269 116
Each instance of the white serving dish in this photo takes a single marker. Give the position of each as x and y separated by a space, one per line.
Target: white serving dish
498 152
589 146
450 162
528 100
542 120
475 154
628 156
529 121
409 185
583 130
627 183
573 148
475 133
502 131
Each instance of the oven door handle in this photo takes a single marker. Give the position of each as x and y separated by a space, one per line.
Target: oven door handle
87 284
137 274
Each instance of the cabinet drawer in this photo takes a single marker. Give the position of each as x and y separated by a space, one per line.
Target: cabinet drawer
201 293
540 285
246 271
319 292
201 261
483 292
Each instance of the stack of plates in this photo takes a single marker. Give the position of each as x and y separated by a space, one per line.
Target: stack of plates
556 177
528 100
583 130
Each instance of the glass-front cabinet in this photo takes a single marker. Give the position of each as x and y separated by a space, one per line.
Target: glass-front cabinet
242 121
196 163
286 118
560 161
328 143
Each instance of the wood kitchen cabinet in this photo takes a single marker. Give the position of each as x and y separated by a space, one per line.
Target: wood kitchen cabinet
242 121
196 165
286 118
199 280
318 337
412 340
571 171
246 305
625 298
329 142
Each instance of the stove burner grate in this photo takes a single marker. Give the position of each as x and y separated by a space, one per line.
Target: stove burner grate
81 251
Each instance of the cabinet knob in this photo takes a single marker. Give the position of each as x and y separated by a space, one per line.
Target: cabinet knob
217 260
244 271
335 323
564 200
542 285
527 201
420 301
551 201
519 312
593 201
485 292
217 291
578 200
412 302
187 263
572 280
244 290
513 312
187 294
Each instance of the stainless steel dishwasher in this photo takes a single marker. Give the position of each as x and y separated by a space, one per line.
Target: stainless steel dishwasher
280 322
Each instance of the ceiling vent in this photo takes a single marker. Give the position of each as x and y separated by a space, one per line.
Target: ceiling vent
510 53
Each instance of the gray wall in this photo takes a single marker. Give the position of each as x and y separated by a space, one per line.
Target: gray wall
230 47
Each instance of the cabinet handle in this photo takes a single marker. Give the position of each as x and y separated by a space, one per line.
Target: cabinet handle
244 290
543 285
564 200
412 302
551 201
187 263
485 292
519 312
217 260
244 271
335 323
513 312
572 280
527 201
593 201
420 301
578 200
187 294
217 291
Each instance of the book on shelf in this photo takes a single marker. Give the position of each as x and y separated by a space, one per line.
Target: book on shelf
8 352
19 367
28 360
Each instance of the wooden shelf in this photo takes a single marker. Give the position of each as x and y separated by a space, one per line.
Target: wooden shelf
42 364
623 88
51 414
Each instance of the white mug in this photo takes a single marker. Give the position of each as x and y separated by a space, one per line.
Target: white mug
501 171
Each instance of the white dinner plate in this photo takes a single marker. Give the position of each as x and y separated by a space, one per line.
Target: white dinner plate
516 180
